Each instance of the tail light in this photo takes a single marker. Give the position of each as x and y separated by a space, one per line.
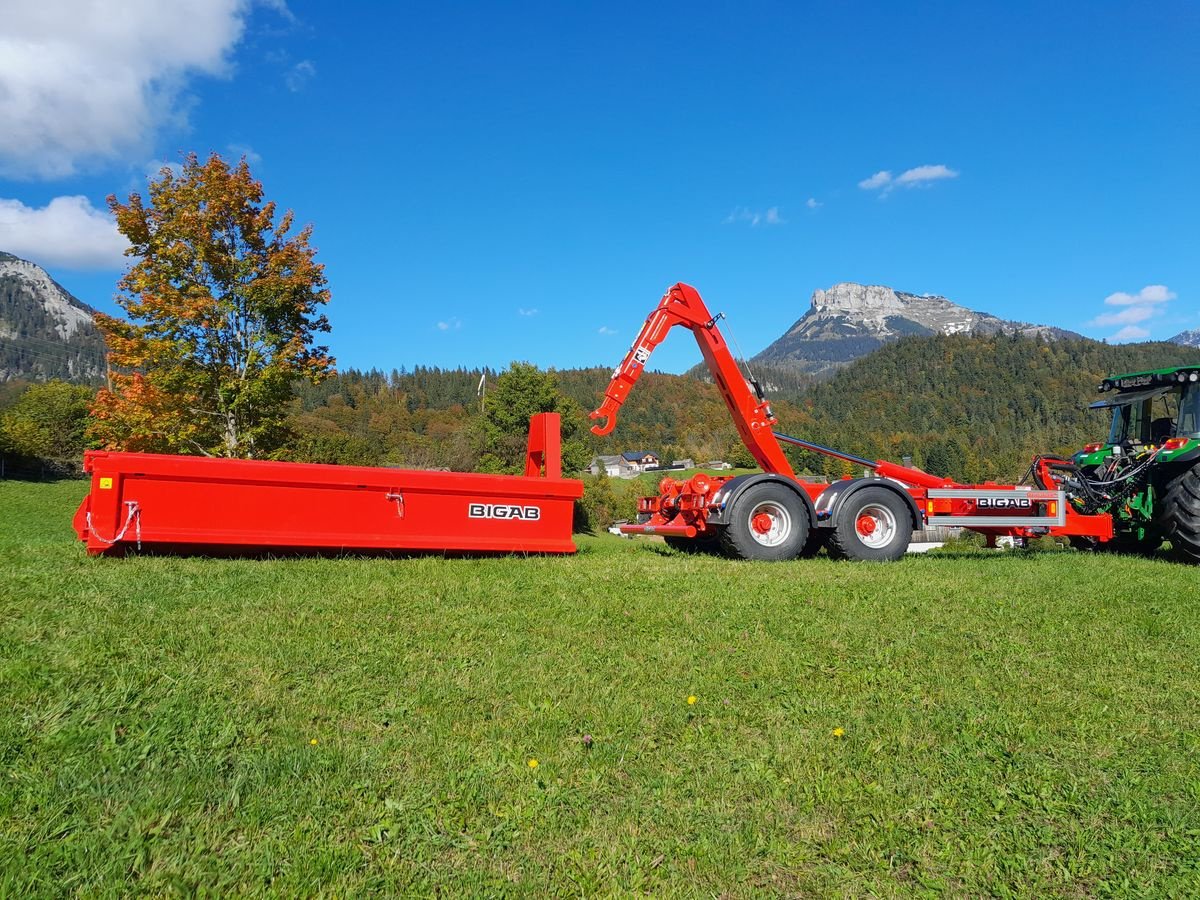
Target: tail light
1175 443
1092 448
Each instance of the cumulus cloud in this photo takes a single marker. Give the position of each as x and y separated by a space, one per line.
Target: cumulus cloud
754 218
92 80
920 176
452 324
813 203
1131 309
67 233
526 312
1147 296
604 329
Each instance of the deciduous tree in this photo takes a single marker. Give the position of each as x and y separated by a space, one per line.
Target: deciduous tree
519 392
223 307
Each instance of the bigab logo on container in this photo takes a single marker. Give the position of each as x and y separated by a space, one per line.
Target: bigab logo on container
504 511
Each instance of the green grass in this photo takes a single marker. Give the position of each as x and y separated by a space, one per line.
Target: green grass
1016 724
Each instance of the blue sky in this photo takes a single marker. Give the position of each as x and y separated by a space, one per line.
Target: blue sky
490 182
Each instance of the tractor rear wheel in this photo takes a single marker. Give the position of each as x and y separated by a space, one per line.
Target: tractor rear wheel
1180 511
769 522
873 525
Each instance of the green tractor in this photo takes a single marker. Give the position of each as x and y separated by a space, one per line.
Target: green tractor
1147 474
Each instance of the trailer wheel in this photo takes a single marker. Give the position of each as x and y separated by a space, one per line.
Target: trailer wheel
1181 516
769 522
872 524
817 537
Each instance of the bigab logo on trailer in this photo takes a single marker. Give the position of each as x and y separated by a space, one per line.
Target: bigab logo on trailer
505 511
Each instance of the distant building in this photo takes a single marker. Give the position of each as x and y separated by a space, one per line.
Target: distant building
716 464
613 467
683 464
640 458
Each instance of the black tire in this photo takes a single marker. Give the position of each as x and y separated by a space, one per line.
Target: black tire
692 545
817 538
1121 542
769 522
1180 516
890 523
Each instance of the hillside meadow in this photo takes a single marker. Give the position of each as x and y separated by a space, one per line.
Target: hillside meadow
629 719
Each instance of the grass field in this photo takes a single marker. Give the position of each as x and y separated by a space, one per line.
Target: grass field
1016 724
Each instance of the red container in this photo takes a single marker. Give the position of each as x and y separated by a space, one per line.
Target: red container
198 503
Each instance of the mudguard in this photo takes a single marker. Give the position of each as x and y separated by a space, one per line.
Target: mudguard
723 501
827 503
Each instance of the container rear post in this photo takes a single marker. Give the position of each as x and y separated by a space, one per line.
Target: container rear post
543 455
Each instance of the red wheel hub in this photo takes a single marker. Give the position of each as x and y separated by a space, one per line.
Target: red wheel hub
866 525
761 523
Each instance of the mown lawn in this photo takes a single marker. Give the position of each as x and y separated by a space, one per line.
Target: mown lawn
1017 724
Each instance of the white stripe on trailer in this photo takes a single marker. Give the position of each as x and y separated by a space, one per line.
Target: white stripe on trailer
1059 498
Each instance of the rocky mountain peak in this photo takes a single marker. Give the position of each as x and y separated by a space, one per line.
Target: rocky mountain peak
848 297
44 331
850 320
1187 338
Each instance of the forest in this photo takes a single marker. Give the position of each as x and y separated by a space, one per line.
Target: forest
973 408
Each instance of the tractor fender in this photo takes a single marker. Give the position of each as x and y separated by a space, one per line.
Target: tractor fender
726 496
833 496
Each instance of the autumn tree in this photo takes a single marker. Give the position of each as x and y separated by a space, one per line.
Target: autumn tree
223 307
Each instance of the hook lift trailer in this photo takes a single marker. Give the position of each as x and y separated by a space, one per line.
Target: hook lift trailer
773 515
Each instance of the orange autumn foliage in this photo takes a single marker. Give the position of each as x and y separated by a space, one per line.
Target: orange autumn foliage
223 306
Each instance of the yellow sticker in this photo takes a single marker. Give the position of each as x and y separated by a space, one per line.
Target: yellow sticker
106 484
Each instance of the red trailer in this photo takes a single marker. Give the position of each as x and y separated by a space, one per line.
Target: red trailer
235 505
774 515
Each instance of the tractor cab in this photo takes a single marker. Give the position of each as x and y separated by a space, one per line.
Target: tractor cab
1155 409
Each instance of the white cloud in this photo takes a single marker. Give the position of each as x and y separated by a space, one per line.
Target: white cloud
1127 316
526 312
920 176
604 329
754 218
452 324
1131 333
1150 294
299 75
813 203
878 180
67 233
88 81
1131 309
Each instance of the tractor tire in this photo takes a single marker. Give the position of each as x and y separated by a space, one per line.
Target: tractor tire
871 525
692 545
1120 543
1180 516
769 522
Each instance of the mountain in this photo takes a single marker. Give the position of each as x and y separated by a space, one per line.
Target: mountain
44 331
850 320
1187 338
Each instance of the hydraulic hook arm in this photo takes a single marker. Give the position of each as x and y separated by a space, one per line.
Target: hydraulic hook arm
681 305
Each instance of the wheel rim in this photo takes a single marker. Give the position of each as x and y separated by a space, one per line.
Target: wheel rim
876 526
770 524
